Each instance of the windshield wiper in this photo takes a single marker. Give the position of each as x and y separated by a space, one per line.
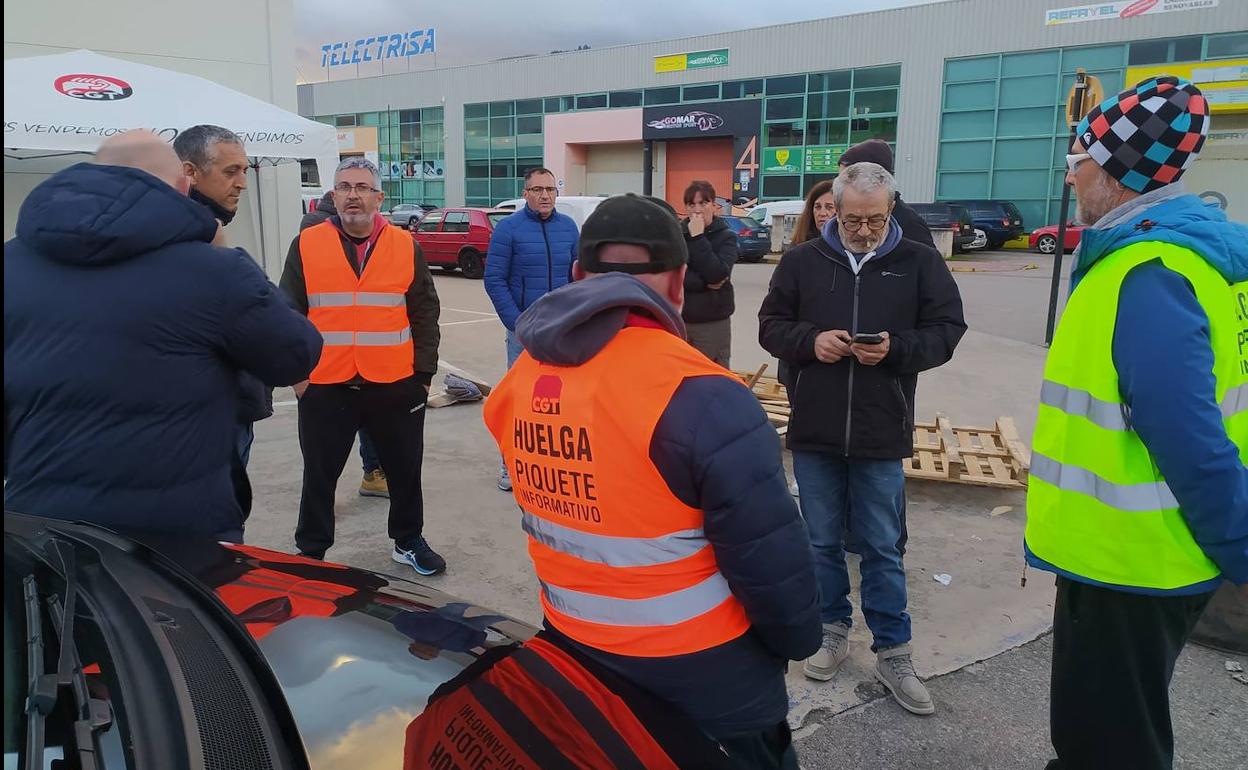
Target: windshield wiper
91 714
41 692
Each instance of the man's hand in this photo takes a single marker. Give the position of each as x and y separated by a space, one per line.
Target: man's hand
717 285
299 388
697 225
831 346
870 355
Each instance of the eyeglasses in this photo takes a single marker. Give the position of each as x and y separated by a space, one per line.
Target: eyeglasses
854 224
542 190
1073 161
360 189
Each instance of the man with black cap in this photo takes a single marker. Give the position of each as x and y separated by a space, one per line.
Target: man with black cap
1138 494
877 151
660 524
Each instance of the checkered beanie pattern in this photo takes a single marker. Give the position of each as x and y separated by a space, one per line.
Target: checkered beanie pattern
1147 136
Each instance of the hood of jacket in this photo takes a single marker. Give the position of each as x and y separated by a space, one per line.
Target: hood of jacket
570 325
832 236
91 214
1169 215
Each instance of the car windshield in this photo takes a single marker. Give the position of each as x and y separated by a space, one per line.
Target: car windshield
497 216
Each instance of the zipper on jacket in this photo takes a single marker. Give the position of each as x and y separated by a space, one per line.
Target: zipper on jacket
849 409
550 261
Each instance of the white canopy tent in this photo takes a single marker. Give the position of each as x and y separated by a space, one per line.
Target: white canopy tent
70 102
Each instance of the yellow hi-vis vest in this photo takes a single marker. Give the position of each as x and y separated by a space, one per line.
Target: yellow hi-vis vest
1097 505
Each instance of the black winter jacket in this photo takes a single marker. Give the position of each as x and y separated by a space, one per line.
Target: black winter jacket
711 257
847 408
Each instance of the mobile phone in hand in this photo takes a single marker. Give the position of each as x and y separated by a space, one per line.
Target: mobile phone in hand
868 339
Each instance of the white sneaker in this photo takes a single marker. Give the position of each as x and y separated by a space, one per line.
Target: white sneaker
504 480
822 666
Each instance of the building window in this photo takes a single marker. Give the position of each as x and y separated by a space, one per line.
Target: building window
431 114
502 108
591 101
476 110
344 120
875 102
529 124
529 107
775 187
662 96
742 89
554 103
785 134
788 108
1177 49
827 132
1226 46
829 81
625 98
701 93
878 77
833 105
789 84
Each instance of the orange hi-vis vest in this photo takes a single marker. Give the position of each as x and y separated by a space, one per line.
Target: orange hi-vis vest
624 565
363 319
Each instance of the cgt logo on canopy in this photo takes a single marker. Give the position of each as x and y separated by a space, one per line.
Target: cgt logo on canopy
93 88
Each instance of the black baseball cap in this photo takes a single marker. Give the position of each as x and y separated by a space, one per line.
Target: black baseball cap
638 219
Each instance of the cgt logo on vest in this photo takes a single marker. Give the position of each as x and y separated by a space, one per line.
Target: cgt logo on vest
546 393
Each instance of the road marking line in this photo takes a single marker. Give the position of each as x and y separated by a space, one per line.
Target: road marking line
472 312
473 321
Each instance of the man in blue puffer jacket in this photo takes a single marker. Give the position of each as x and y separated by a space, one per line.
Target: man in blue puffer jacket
531 253
124 333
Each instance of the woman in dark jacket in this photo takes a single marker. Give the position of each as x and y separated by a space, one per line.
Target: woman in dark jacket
820 207
709 301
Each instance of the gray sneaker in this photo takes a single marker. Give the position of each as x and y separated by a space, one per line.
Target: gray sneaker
822 665
504 480
895 670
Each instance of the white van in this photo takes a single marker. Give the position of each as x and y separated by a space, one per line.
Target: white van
763 212
579 207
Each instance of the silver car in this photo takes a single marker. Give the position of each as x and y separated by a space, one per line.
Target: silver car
406 215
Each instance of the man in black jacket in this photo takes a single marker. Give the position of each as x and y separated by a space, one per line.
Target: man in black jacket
877 151
709 301
860 312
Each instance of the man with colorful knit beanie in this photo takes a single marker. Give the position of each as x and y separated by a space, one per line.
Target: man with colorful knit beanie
1138 497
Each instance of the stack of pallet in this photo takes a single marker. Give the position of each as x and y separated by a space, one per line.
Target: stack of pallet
989 457
771 394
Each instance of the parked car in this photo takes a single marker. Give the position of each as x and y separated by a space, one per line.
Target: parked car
948 216
407 214
763 212
1044 239
579 207
753 239
1000 220
458 239
184 653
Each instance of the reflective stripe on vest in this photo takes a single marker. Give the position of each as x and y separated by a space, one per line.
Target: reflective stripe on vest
624 565
1097 506
362 319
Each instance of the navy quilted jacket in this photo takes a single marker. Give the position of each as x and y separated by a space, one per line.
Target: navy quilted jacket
125 332
528 257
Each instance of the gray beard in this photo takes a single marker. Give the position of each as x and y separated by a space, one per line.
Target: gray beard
357 221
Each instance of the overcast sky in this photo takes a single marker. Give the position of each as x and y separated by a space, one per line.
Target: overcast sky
471 31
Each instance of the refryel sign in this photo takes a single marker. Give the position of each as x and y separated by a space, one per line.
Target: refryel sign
1122 9
1224 82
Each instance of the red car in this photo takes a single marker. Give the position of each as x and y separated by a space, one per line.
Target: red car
1044 240
458 239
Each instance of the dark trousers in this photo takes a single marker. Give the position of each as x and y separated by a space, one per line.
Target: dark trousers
368 453
329 417
770 749
1113 656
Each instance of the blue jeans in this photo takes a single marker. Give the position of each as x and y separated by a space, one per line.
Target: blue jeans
514 348
368 455
829 487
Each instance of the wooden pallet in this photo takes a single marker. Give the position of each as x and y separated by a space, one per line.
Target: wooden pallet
988 457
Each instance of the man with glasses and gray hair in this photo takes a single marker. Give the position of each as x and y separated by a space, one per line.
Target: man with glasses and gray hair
859 312
531 254
366 287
